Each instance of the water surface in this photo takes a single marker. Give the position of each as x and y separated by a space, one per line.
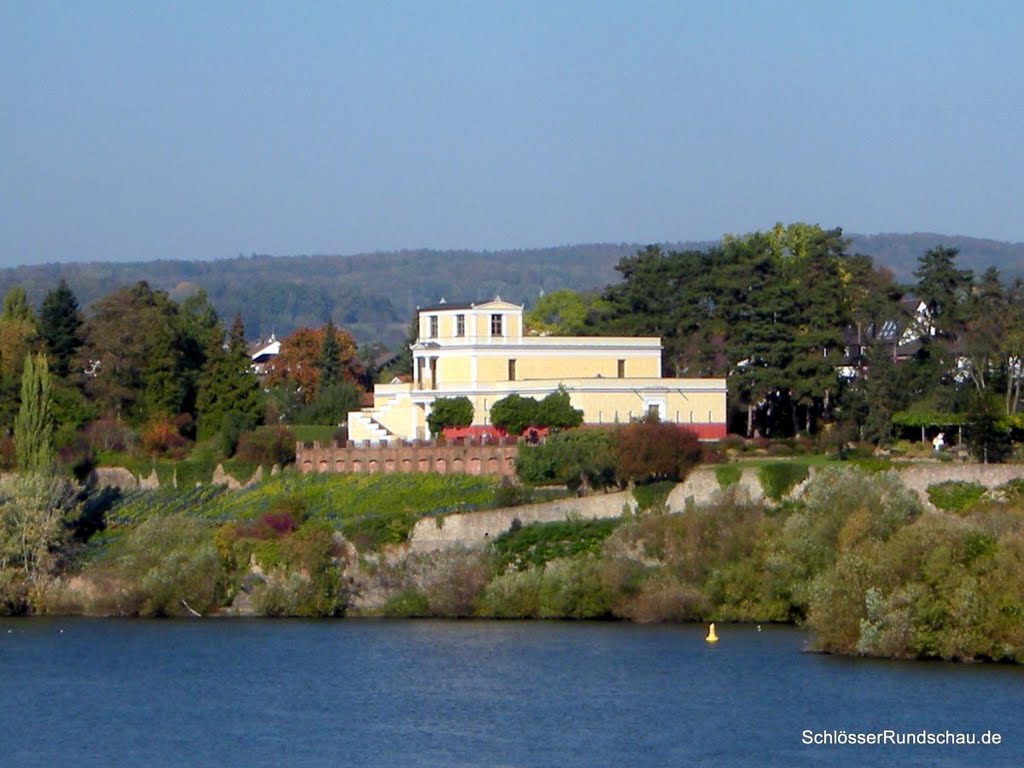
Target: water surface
431 693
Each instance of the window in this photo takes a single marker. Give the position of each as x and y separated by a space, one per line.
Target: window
497 325
622 369
460 325
433 326
511 370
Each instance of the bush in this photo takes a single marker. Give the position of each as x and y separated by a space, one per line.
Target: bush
779 478
266 446
331 405
955 495
578 458
728 474
409 603
161 438
167 562
110 435
510 494
649 450
538 543
232 426
653 496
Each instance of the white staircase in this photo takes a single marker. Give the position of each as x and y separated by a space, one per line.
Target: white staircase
369 425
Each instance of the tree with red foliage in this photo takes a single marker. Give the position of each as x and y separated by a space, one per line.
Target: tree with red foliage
299 364
650 450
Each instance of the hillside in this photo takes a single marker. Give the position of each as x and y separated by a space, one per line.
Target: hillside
374 294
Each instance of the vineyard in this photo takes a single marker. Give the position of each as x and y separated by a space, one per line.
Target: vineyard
372 509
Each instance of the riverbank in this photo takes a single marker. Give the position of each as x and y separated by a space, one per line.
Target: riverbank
854 556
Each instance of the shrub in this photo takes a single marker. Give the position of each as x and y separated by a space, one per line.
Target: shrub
331 405
232 426
650 450
578 458
161 438
110 435
653 496
664 598
409 603
728 474
513 595
538 543
265 446
572 588
955 495
168 561
510 494
779 478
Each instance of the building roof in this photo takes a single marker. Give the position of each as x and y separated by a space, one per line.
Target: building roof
270 348
449 305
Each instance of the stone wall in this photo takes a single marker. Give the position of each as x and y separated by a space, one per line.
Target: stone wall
702 484
468 458
917 477
476 528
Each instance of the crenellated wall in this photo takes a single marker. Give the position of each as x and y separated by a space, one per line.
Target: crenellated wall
498 459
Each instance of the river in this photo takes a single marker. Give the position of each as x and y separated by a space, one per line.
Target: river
81 692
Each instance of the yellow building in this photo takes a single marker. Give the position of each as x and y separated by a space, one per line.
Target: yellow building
480 351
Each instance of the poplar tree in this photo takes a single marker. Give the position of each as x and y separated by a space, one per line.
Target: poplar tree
33 427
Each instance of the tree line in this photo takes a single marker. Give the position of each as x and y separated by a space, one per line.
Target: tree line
813 338
139 370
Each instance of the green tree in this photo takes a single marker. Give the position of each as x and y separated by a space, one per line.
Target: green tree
556 411
330 357
197 328
34 509
988 434
33 428
450 412
943 286
515 413
563 313
60 327
331 405
16 306
132 358
229 390
579 458
17 339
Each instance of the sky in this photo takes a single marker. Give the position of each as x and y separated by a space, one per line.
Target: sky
200 130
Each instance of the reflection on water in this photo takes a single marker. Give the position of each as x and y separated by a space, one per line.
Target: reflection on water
429 693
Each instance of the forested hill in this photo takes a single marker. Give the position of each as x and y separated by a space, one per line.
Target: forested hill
374 295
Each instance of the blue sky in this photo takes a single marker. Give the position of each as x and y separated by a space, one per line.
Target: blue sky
199 130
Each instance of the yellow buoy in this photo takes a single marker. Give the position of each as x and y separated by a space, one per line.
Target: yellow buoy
712 637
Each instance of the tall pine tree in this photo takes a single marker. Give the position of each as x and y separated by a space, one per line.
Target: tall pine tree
228 388
330 357
60 327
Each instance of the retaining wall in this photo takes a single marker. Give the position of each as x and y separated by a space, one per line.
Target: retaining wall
472 529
